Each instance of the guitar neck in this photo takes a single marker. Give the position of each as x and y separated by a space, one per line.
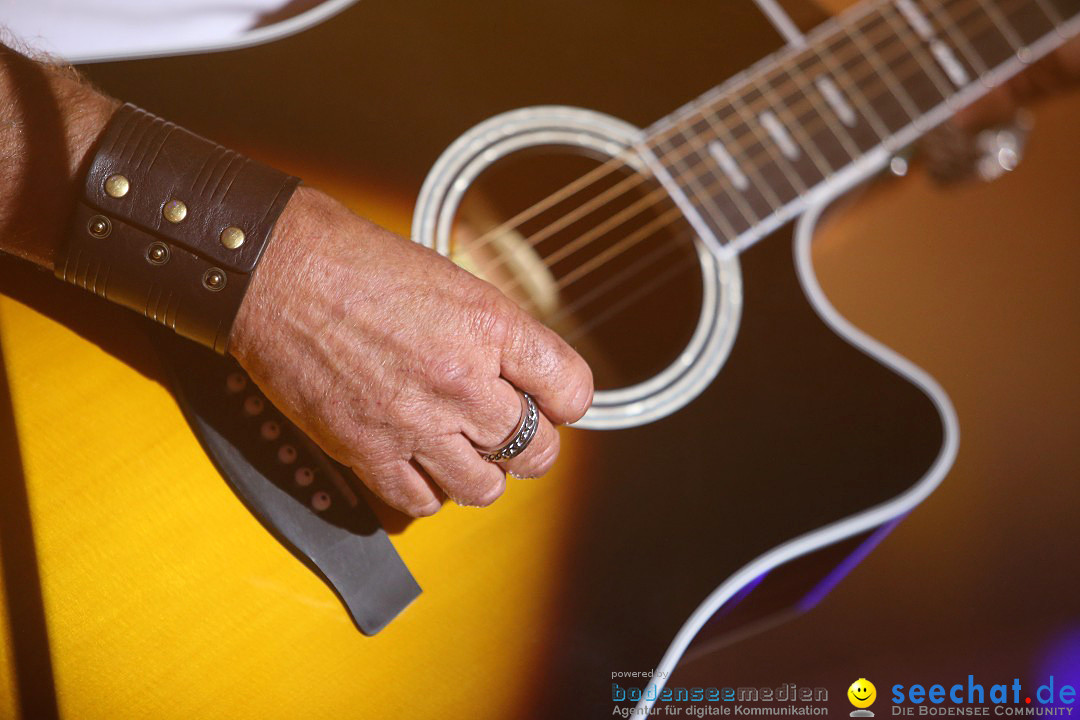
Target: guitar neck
752 153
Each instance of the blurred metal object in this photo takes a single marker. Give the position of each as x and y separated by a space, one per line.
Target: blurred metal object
955 155
900 163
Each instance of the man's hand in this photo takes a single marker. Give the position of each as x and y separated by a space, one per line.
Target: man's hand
397 362
393 359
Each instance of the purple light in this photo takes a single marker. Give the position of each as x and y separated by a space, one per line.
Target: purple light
838 573
1061 658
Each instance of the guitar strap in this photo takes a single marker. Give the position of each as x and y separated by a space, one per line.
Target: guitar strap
295 490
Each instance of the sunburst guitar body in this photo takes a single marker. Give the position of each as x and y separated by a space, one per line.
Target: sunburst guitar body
746 439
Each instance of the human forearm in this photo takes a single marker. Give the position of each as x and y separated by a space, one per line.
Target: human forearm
393 359
49 120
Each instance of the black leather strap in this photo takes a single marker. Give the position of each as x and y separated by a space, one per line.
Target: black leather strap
172 225
302 496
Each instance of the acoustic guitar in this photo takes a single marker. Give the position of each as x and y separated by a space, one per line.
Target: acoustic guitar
747 445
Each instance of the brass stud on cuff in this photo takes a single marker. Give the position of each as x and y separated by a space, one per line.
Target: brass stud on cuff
157 253
232 237
99 226
174 211
117 186
213 280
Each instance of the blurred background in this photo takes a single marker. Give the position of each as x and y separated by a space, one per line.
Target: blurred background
977 283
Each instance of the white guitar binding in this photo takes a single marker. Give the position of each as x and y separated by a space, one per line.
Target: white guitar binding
551 125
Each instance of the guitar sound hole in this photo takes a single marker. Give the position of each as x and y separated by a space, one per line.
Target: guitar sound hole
608 263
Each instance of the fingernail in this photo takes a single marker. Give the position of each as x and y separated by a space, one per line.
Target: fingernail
431 509
584 398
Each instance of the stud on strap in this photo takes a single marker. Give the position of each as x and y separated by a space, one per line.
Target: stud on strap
172 225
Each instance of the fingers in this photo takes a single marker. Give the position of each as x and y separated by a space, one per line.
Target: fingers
539 362
466 477
500 417
403 487
539 456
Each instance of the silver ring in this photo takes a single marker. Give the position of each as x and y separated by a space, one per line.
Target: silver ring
520 437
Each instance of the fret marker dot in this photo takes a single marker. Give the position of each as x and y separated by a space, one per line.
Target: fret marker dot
304 476
270 430
287 454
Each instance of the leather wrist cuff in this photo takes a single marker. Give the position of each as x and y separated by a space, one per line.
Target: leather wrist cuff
172 225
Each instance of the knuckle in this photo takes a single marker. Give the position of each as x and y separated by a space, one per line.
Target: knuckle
453 374
492 320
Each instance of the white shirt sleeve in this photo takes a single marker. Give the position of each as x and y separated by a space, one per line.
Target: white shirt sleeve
84 30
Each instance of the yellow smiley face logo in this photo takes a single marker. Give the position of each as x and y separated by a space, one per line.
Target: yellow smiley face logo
862 693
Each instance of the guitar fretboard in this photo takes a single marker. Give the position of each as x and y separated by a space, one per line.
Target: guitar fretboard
751 153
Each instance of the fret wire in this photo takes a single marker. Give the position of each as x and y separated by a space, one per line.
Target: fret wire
796 127
676 213
725 136
853 84
970 15
815 49
922 54
700 192
758 154
901 95
827 59
863 69
860 100
1030 22
751 217
853 87
991 44
837 37
657 135
778 160
1002 25
842 135
1051 13
937 9
857 12
836 70
917 85
756 165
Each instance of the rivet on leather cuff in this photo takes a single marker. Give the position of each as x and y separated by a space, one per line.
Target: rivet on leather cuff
172 225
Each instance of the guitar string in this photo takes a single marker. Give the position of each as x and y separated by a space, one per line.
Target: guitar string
969 7
670 272
892 38
614 221
685 262
606 169
620 160
650 259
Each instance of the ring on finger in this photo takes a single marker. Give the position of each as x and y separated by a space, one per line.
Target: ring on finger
521 436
